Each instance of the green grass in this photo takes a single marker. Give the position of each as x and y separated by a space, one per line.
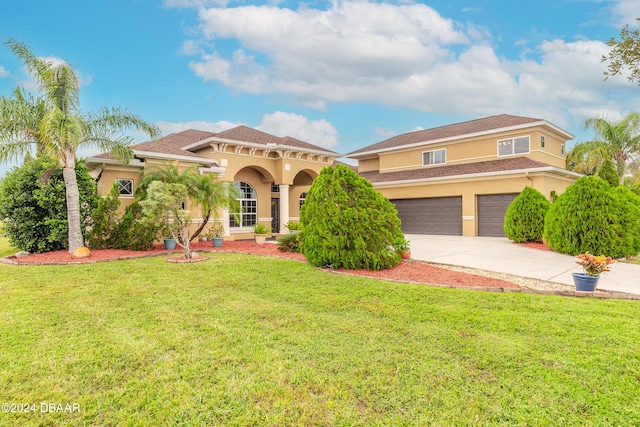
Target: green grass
245 340
6 248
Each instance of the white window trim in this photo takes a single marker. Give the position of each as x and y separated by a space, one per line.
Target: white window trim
241 227
513 153
118 180
434 151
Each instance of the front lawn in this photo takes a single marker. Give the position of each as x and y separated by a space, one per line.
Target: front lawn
248 340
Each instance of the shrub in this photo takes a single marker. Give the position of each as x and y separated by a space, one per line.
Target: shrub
289 243
591 217
109 230
104 231
524 220
347 223
607 171
34 207
134 233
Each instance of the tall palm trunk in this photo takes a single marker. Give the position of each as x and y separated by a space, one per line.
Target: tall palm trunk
73 208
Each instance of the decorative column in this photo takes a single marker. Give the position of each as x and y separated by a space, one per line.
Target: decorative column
284 206
225 221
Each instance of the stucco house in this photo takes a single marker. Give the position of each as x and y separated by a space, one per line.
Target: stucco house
271 173
459 179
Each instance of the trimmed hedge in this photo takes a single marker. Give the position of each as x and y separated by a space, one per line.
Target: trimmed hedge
524 220
347 223
591 217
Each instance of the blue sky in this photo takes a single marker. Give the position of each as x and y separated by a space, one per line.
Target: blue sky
341 74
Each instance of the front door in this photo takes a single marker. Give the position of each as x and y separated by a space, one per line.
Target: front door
275 215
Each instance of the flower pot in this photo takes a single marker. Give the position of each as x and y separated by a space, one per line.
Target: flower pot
406 255
584 282
170 244
217 242
261 238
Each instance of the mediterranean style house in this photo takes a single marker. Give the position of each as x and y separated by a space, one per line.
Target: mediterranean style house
272 174
457 179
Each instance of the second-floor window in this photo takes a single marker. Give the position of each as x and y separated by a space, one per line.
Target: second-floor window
511 146
435 157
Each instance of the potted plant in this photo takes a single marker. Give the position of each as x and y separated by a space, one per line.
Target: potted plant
293 227
261 232
215 233
402 247
592 266
169 242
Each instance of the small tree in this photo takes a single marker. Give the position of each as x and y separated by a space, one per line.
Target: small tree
164 204
590 217
524 219
347 223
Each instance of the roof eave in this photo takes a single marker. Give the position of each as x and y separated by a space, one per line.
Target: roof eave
164 156
479 175
273 147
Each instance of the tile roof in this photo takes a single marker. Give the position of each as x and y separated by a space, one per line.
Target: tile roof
449 131
513 163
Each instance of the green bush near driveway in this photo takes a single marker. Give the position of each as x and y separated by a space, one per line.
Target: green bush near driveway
246 340
347 223
524 219
591 217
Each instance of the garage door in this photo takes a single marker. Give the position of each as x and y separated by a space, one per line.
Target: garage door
491 210
436 215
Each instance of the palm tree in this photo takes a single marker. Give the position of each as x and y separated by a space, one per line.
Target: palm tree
618 141
204 190
58 128
210 194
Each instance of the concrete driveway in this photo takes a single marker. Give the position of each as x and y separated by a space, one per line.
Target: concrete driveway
501 255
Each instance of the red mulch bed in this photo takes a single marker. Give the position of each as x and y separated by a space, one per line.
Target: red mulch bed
536 245
415 271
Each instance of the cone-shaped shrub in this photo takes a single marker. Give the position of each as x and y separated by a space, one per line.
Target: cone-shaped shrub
629 218
347 223
591 217
607 171
524 220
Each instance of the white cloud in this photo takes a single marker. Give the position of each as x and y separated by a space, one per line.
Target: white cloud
625 12
168 128
317 132
403 55
4 72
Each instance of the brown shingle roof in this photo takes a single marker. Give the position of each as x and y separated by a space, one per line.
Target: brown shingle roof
171 144
449 131
174 143
246 134
513 163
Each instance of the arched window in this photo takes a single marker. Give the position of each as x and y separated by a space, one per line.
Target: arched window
302 197
248 201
